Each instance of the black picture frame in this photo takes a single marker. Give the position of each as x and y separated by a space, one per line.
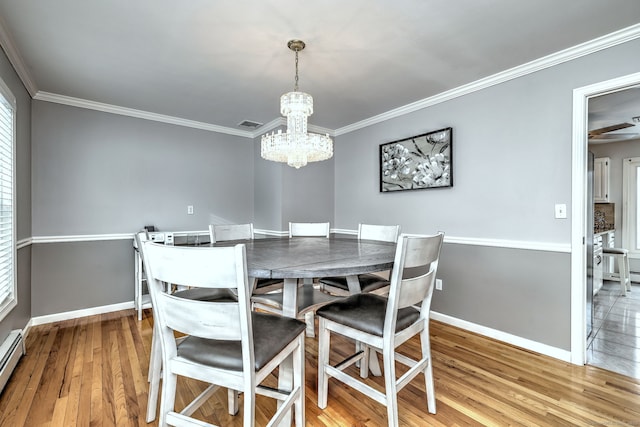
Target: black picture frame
417 163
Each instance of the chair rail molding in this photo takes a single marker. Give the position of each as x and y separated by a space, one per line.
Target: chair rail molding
473 241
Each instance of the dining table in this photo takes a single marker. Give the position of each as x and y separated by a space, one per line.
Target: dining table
298 258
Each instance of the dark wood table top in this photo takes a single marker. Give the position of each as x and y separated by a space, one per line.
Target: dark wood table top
309 257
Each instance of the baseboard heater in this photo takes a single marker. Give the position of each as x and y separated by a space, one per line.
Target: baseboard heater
11 350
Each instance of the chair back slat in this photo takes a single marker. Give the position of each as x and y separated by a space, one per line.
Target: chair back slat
383 233
413 275
309 229
420 252
205 319
199 267
183 266
414 290
225 232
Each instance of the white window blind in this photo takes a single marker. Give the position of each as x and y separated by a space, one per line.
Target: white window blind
8 294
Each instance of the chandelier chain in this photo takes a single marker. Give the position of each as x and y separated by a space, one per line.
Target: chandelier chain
295 87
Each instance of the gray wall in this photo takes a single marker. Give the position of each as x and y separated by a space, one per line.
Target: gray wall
308 193
78 275
20 315
268 192
511 164
284 194
505 289
99 173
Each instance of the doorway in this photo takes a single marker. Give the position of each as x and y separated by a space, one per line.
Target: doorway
579 222
614 140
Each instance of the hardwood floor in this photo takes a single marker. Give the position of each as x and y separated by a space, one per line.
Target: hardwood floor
615 342
93 372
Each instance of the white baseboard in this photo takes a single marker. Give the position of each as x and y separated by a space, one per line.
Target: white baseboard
68 315
544 349
527 344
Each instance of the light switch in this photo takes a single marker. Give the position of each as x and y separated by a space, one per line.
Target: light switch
190 210
561 210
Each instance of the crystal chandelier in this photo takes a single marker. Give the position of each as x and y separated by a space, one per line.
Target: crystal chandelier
296 147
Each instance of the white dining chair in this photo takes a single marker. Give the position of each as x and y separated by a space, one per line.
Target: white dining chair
155 356
239 232
384 324
309 299
225 344
370 282
309 229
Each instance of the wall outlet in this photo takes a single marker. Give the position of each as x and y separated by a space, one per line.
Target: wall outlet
439 284
190 210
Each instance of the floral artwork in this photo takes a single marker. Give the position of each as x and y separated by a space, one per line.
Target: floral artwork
422 161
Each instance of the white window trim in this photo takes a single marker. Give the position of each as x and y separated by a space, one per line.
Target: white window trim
7 306
630 210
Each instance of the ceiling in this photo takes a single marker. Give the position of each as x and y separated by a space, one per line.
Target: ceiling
612 110
225 61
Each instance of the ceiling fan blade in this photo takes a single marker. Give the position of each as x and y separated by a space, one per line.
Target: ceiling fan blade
611 128
614 136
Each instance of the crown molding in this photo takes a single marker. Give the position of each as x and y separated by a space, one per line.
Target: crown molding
9 47
123 111
592 46
321 130
273 124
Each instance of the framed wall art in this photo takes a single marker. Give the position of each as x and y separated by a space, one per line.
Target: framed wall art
416 163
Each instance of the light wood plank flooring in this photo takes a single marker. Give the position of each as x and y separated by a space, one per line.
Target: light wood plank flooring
92 372
615 342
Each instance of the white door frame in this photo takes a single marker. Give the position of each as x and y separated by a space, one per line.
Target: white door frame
579 208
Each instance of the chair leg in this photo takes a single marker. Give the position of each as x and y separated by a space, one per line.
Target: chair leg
153 351
138 286
628 272
623 274
232 398
324 339
309 319
428 371
249 407
364 362
155 368
299 381
390 385
167 402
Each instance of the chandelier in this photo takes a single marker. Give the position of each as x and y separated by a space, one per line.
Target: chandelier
296 147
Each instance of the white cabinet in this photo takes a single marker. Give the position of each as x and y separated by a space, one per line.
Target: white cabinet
598 263
601 180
